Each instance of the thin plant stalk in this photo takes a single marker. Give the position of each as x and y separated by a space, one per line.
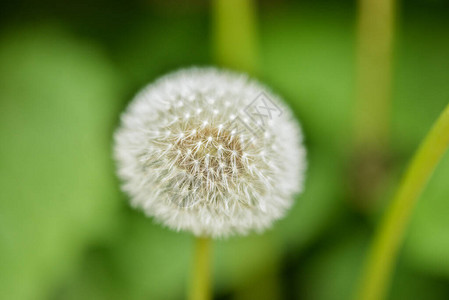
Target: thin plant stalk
235 34
375 30
384 249
201 278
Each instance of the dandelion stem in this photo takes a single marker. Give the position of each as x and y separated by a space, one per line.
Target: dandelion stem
374 52
387 241
235 38
201 277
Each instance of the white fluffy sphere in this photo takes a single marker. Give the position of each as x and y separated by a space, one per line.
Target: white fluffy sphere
210 151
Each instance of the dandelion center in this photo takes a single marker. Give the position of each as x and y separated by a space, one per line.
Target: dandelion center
211 157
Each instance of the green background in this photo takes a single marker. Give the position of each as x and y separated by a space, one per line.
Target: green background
67 70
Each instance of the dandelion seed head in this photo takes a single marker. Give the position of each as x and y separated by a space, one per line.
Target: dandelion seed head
185 160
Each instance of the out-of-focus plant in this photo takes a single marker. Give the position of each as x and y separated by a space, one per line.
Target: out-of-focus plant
390 233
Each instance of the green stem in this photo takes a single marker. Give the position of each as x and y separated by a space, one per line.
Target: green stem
201 278
235 38
374 52
389 237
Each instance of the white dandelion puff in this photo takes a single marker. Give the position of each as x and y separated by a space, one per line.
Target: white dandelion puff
191 154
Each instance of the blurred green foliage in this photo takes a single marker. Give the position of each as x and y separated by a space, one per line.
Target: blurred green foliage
58 98
66 231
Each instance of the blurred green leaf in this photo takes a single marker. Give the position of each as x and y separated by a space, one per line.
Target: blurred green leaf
153 262
58 103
